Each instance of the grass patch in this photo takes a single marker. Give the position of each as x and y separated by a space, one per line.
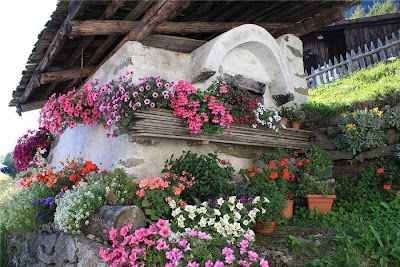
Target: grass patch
374 83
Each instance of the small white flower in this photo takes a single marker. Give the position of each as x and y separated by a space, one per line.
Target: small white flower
220 201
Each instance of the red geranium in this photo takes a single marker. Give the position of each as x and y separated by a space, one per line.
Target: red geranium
273 175
299 163
380 170
387 187
272 164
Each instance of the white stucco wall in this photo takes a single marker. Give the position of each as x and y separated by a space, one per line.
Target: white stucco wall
249 51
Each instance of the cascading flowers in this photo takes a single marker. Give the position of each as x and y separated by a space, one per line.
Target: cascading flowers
31 148
267 117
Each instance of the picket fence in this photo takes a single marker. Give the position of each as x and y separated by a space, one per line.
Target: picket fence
354 61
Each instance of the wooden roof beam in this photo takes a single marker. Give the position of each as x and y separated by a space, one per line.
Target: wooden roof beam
108 13
159 12
73 9
65 75
113 27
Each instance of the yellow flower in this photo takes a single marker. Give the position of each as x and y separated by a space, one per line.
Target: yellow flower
351 127
379 113
344 115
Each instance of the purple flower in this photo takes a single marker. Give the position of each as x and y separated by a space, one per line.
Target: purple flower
159 84
135 94
147 101
141 89
154 95
148 87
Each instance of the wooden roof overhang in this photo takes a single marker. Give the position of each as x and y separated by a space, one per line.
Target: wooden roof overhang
82 35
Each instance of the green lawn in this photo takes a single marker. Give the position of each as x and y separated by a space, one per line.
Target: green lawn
373 83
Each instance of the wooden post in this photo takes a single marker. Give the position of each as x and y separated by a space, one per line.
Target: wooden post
361 60
349 63
374 56
389 50
382 53
356 66
395 48
368 58
109 217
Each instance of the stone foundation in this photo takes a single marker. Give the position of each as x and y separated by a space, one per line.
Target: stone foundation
40 249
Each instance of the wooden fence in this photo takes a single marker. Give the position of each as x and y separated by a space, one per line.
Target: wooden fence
355 61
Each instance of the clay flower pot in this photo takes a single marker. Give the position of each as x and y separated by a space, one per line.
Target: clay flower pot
288 211
283 122
324 203
295 125
265 229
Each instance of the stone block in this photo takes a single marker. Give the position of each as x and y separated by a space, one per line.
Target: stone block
341 155
49 241
391 136
325 144
332 131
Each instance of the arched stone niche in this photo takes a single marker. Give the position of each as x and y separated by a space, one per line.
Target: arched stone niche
248 57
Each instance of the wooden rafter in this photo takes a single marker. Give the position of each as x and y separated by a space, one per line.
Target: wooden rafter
65 75
113 27
139 9
173 43
108 13
159 12
54 47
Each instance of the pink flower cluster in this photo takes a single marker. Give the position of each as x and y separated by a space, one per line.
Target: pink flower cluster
69 109
31 147
197 108
139 247
170 181
119 99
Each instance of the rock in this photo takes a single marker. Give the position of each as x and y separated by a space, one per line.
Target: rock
321 137
49 241
340 155
323 130
88 253
391 136
44 258
335 120
397 107
277 258
332 131
325 144
65 250
377 152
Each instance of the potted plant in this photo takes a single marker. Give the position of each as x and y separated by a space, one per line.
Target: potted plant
271 210
285 113
320 163
288 211
297 118
319 193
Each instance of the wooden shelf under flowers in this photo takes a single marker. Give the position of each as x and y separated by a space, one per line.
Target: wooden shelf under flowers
161 123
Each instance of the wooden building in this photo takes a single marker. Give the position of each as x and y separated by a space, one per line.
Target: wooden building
82 35
346 35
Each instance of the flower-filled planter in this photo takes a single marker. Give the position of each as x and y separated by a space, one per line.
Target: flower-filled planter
262 228
288 211
322 202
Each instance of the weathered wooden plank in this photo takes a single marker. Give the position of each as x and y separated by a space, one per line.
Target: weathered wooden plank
382 54
361 60
356 66
56 44
374 55
65 75
115 27
173 43
367 58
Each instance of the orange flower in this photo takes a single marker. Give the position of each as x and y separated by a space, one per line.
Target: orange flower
289 195
252 174
272 164
223 162
89 167
273 175
249 169
182 203
387 187
380 170
286 174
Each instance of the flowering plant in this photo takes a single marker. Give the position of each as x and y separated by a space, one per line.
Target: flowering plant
269 117
212 175
119 99
361 129
76 205
156 191
239 103
159 246
67 110
226 216
200 109
31 148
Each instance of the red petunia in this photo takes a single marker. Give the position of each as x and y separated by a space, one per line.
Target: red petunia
380 170
273 175
387 186
272 164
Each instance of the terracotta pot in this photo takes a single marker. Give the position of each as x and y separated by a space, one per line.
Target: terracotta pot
283 122
288 211
265 229
324 203
295 125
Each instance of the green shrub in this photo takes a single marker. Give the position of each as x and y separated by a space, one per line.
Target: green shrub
361 129
212 177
